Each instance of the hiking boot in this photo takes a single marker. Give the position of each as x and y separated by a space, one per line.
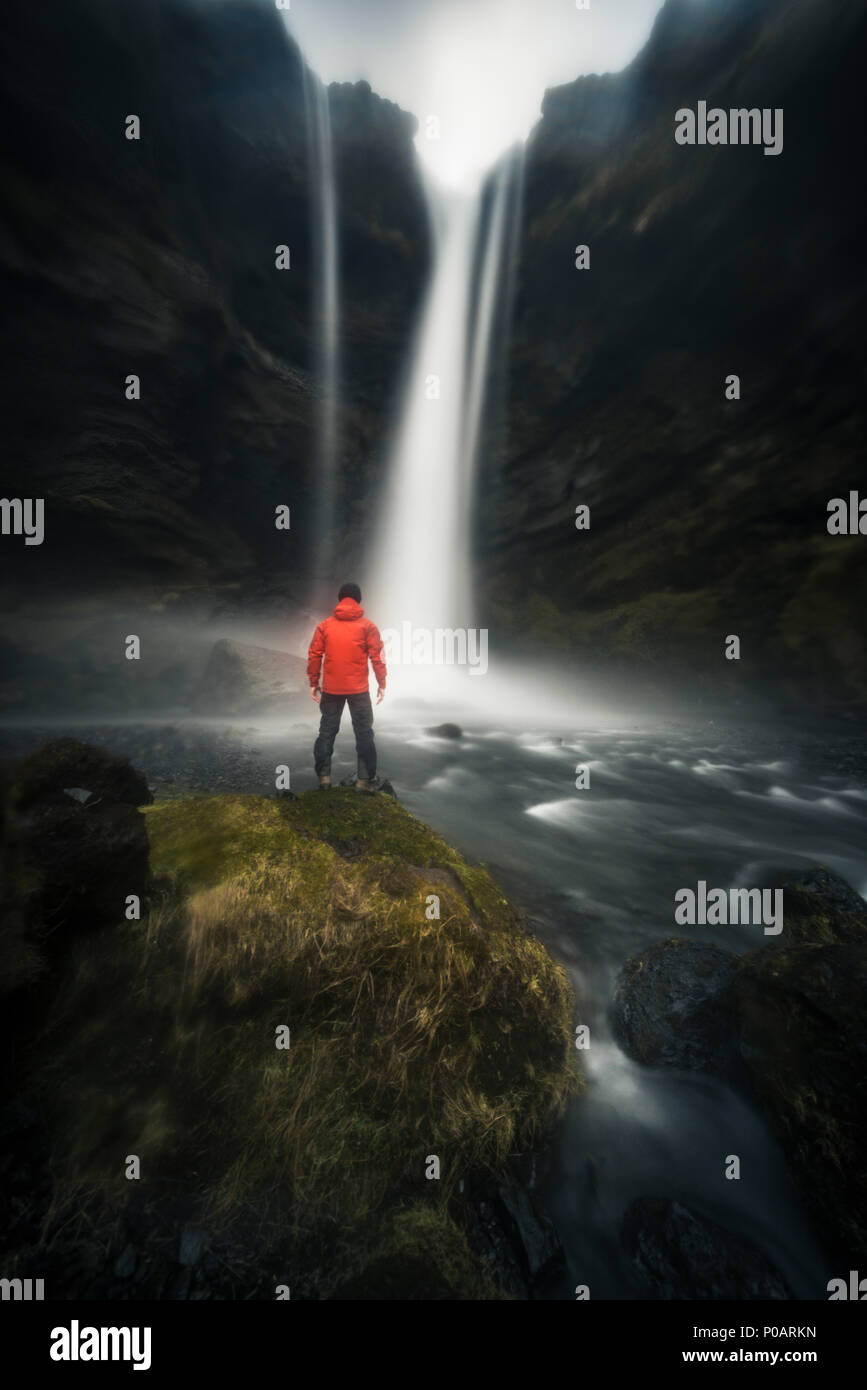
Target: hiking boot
324 784
364 784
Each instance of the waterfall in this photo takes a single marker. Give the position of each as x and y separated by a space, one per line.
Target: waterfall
421 569
325 317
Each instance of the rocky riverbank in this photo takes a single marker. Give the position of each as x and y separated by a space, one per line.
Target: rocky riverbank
237 1066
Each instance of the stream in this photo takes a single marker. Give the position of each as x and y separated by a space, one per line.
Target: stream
595 871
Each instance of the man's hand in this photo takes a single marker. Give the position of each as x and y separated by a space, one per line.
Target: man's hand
379 694
315 693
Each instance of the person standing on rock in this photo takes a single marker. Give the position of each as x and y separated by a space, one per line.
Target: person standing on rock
337 670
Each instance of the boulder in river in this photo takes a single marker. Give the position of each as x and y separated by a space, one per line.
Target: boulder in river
801 1014
819 908
241 679
678 1254
671 1007
786 1022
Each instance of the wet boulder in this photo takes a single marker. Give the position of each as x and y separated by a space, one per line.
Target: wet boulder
671 1007
828 886
679 1254
240 678
819 908
801 1017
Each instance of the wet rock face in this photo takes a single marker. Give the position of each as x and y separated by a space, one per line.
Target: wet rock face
670 1007
615 402
678 1253
163 264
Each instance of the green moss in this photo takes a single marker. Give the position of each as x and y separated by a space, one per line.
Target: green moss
409 1036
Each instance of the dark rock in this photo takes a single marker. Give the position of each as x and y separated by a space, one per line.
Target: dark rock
44 777
508 1228
679 1254
446 731
670 1007
88 860
828 886
603 156
79 859
539 1242
801 1014
187 279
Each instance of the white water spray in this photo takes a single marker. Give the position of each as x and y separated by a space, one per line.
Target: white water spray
422 570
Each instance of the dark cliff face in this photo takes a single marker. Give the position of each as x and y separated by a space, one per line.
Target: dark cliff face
708 516
157 257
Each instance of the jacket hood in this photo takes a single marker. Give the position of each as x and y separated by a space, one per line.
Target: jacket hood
348 610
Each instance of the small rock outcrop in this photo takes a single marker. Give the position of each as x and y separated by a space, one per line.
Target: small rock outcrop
243 679
679 1254
671 1007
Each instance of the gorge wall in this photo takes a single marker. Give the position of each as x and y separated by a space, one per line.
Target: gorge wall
708 515
157 257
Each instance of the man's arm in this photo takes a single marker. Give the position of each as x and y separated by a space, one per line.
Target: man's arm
314 660
374 651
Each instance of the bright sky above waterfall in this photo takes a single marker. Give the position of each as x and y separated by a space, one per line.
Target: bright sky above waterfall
480 66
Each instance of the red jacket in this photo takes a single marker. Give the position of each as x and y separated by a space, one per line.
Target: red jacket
346 641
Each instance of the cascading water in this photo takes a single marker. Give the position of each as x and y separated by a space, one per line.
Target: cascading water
325 312
421 577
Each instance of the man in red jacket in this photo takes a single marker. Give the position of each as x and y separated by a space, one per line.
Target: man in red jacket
341 648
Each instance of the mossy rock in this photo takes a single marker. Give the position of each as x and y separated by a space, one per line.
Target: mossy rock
812 919
41 778
408 1035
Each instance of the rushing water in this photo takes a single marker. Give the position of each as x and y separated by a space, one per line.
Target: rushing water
324 241
421 561
596 871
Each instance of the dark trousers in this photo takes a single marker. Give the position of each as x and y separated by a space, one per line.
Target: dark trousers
361 710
